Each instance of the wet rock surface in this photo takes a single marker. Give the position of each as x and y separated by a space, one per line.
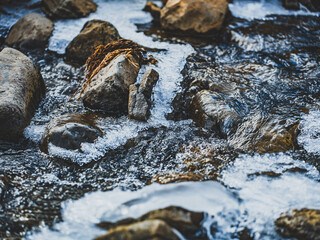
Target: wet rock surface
213 80
149 229
109 89
22 88
265 66
31 31
302 224
200 16
61 9
186 222
93 34
69 132
139 96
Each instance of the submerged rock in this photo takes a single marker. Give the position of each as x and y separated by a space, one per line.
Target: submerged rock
213 112
61 9
31 31
303 224
291 4
149 229
176 177
93 34
200 16
21 89
139 96
265 135
312 5
69 132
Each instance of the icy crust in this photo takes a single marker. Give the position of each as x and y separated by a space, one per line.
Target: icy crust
81 216
309 136
269 185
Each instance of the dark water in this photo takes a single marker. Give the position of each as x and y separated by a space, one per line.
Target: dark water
265 69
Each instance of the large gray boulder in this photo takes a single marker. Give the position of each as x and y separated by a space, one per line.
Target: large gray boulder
31 31
69 132
108 90
93 34
21 89
63 9
139 96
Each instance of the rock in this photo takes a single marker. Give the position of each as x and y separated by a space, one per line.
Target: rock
200 16
213 112
139 96
291 4
64 9
312 5
303 224
185 221
149 229
21 89
31 31
109 89
265 135
93 34
153 9
176 177
149 80
138 104
69 132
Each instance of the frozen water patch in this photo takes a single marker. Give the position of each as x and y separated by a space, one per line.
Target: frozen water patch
269 185
309 136
262 8
80 217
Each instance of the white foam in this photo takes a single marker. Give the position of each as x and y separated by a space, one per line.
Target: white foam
261 8
81 216
309 136
265 198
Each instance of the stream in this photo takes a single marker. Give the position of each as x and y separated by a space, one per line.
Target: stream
265 65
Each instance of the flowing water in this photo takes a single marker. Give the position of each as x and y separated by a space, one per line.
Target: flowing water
267 65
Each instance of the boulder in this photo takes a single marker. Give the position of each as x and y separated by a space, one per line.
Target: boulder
70 131
212 111
185 221
176 177
108 90
139 96
21 89
64 9
303 224
200 16
264 134
149 229
93 34
31 31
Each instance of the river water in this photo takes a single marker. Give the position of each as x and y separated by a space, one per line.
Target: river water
46 197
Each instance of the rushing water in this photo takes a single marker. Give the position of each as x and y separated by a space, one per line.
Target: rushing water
251 190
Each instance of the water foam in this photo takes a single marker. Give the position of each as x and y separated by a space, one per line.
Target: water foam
264 197
81 216
310 132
